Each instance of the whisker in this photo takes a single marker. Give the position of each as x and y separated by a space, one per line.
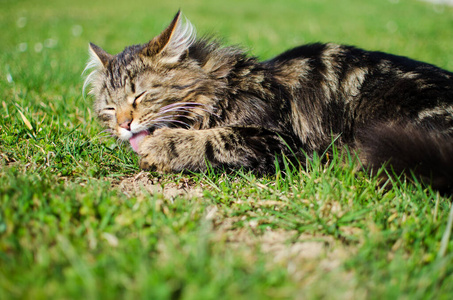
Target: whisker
177 110
186 109
203 109
171 116
105 133
101 135
165 119
174 114
181 104
190 107
186 105
152 119
171 121
169 112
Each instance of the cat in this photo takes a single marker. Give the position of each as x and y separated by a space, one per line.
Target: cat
184 103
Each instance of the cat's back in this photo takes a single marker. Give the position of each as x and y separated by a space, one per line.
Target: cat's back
341 58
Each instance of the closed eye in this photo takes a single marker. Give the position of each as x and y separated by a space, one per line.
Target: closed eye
134 104
107 113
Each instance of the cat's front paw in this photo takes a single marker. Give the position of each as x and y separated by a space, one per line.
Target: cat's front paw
173 150
154 161
154 151
147 164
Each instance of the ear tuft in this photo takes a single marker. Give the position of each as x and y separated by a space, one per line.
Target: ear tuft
98 60
97 53
174 41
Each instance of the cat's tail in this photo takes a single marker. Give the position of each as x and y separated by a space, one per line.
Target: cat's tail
409 149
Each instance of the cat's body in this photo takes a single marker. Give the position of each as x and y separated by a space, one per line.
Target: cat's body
182 102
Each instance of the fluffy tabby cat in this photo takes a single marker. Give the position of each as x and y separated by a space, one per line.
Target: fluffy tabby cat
182 102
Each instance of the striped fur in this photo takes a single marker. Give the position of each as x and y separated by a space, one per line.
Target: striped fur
198 101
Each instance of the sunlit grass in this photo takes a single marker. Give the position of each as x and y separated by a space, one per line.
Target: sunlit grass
79 220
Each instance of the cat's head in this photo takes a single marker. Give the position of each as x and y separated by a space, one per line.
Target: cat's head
152 85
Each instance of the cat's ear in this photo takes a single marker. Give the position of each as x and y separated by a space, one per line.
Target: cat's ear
99 56
173 42
98 61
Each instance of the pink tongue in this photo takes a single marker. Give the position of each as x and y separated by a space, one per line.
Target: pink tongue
137 138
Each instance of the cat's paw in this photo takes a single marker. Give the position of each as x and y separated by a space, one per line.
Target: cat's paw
154 152
175 150
148 165
163 131
166 150
152 161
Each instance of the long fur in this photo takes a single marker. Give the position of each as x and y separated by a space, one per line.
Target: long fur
183 37
409 149
92 67
199 101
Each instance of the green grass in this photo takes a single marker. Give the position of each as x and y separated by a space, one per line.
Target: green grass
79 220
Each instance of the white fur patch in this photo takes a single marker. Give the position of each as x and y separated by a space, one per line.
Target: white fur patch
94 64
124 134
182 38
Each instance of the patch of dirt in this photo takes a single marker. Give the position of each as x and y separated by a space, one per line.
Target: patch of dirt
308 258
293 250
314 261
143 182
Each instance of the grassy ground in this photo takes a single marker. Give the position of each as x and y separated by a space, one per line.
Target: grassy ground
79 220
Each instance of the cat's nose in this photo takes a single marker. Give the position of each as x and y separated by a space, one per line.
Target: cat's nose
126 124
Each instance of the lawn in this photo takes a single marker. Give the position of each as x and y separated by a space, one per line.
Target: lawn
79 220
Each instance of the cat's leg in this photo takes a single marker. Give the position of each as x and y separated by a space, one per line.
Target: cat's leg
231 147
